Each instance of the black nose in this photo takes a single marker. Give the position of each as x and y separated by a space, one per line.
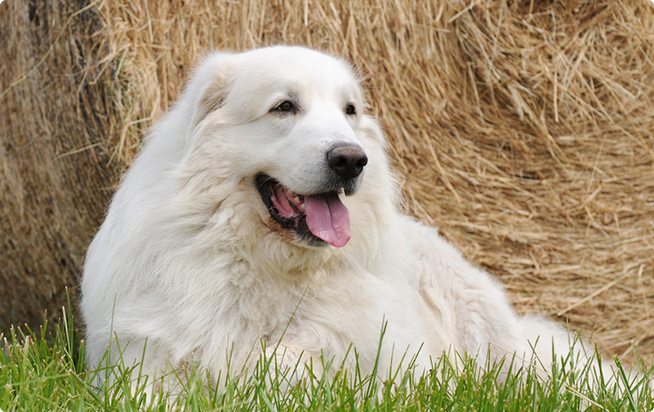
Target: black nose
347 161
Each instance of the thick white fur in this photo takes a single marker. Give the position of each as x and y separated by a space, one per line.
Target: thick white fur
189 260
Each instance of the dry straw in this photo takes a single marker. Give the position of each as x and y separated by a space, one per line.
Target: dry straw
522 128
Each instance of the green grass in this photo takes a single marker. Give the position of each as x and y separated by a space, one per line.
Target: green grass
45 372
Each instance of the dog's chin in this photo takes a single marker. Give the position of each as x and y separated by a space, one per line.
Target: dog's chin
287 209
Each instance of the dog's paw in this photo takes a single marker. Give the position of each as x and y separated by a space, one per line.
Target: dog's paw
292 363
286 358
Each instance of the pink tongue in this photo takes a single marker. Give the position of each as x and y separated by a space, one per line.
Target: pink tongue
328 218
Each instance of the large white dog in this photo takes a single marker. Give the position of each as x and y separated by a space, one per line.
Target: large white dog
262 208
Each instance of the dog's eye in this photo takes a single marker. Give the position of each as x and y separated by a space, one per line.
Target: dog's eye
350 109
285 106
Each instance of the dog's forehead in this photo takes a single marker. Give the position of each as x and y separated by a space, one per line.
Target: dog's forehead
292 67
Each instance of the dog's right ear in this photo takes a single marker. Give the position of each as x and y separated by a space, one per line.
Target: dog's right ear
205 93
212 98
210 84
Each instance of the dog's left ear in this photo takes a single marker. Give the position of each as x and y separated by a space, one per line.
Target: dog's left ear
371 130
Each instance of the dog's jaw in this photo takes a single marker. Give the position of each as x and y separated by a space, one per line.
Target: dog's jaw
317 219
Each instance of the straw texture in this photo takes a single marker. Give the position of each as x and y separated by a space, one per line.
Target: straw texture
523 129
54 182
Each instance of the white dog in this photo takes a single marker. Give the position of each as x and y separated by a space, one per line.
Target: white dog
262 208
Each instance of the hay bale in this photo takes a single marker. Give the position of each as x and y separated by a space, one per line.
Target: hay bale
522 128
55 178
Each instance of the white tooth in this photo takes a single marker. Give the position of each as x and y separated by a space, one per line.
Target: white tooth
291 193
302 206
296 199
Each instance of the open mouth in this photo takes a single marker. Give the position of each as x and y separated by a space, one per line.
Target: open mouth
316 218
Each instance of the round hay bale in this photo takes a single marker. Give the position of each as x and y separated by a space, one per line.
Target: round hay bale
522 128
55 174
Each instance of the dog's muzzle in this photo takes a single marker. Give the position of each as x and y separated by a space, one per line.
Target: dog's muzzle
321 217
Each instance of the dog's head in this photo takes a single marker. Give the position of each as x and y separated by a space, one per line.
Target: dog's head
287 125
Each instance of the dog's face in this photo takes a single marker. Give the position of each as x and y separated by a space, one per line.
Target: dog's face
287 122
